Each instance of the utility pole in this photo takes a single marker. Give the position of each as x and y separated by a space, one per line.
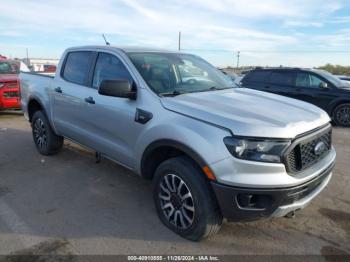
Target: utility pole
238 55
27 56
179 40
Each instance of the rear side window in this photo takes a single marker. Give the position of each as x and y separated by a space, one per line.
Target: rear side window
257 76
77 67
109 67
282 78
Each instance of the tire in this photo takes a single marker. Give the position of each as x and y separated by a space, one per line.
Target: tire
341 115
195 194
46 141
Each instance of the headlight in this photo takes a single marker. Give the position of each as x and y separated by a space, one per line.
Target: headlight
1 85
256 149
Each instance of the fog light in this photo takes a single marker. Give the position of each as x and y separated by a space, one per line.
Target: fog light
254 201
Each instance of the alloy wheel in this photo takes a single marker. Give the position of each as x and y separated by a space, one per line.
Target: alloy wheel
176 201
40 133
343 115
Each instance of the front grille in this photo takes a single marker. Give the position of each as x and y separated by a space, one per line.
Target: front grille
302 153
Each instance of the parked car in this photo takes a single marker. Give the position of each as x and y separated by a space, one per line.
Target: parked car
344 78
235 78
49 68
9 85
317 87
212 150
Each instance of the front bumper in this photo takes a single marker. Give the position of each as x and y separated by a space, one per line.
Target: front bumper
247 204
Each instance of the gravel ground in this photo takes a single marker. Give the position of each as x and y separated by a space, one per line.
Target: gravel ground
67 204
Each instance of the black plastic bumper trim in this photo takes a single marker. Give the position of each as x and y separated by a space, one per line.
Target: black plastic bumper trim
230 209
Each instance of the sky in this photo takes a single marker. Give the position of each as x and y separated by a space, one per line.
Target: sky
271 32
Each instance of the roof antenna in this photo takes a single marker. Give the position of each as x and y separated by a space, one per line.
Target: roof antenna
107 43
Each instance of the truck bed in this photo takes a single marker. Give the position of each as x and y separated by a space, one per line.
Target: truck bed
35 85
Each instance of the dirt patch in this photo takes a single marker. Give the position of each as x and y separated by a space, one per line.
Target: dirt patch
4 190
50 210
339 217
48 251
344 201
331 253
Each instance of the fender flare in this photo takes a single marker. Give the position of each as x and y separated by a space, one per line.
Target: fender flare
36 99
170 143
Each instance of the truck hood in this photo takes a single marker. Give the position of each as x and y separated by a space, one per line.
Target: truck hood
248 112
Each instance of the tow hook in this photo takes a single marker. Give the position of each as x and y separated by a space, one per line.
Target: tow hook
290 215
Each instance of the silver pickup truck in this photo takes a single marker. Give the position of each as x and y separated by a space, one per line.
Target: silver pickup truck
212 149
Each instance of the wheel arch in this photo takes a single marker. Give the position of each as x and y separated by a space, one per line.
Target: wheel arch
34 105
337 103
161 150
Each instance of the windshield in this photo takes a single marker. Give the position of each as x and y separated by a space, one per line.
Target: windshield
174 74
7 67
331 78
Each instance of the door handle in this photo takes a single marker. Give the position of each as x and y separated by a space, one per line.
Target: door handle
90 100
58 90
267 87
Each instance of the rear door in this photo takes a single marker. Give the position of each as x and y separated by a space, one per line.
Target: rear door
256 79
282 82
68 95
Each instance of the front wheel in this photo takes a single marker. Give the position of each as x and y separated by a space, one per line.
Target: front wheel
184 200
341 115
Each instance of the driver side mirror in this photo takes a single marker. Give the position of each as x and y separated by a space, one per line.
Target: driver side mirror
323 85
117 88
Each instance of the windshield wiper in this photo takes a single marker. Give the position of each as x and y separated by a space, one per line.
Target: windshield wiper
213 88
174 93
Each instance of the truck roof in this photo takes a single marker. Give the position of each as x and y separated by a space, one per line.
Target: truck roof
126 49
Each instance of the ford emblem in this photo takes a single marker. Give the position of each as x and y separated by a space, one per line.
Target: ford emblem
320 148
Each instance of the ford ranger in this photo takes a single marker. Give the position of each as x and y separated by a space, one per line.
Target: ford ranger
213 150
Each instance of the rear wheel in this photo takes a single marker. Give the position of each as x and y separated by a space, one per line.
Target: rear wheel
184 200
341 115
46 141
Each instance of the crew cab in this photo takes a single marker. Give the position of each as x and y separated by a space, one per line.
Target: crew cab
212 149
9 85
310 85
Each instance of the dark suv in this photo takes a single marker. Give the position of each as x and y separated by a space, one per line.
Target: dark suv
314 86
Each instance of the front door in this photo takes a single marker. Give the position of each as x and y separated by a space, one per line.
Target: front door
309 88
110 121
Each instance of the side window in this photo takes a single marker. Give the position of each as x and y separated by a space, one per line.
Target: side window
315 81
109 67
77 67
302 80
285 78
308 80
257 76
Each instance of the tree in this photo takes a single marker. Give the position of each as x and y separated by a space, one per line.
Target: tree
336 69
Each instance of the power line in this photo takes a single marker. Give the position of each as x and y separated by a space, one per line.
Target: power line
268 51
